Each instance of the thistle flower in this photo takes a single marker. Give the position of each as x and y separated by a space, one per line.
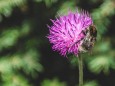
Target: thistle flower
66 33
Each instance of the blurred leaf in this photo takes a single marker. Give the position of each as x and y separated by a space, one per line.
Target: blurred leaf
91 83
94 1
73 60
102 47
37 0
54 82
15 80
25 28
5 66
49 2
9 38
101 14
64 8
6 6
101 63
30 63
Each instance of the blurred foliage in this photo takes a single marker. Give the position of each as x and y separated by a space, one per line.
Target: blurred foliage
101 15
101 63
7 6
47 2
10 37
21 56
69 5
54 82
15 80
22 28
91 83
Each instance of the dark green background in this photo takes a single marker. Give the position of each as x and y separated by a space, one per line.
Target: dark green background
26 57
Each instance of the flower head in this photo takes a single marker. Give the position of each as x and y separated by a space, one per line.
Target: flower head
66 32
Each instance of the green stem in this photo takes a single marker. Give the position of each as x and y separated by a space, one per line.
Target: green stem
80 61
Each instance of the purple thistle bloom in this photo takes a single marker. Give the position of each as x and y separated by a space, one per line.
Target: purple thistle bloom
66 32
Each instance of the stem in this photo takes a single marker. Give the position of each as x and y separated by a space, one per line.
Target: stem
80 61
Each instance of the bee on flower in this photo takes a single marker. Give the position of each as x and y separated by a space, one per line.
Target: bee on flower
73 33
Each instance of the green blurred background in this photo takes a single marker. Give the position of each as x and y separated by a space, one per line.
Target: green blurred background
26 57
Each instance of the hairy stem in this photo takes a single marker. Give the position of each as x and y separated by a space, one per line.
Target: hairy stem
80 61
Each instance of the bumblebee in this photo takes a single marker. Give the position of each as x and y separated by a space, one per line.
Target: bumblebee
88 41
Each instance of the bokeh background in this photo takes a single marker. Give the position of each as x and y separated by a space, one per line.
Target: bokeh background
26 57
